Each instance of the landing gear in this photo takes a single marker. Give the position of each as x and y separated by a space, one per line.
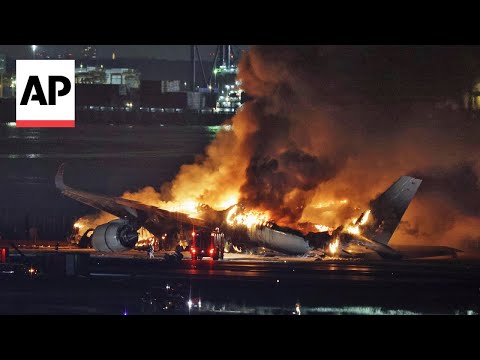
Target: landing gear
86 240
219 254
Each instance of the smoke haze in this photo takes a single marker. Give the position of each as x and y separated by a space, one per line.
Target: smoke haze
326 132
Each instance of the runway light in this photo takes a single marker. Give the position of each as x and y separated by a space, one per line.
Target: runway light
278 281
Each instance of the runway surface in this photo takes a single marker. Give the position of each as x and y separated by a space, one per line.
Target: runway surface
137 285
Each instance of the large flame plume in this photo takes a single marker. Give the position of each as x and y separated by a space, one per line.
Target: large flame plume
320 139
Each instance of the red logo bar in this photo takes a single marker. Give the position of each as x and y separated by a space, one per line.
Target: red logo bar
45 123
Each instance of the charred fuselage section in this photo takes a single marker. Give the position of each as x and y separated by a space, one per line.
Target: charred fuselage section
269 235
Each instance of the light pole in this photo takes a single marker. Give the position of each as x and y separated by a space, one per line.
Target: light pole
34 47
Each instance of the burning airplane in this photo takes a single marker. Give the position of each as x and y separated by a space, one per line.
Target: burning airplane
305 156
372 230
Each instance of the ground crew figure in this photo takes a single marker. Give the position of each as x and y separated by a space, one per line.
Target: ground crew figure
150 251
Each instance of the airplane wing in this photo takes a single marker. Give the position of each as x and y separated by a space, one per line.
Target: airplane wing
122 208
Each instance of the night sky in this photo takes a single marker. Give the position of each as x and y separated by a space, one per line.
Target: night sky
167 52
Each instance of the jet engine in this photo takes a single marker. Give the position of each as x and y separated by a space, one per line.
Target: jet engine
116 235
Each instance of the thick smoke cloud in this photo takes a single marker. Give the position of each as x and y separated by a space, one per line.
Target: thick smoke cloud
458 185
280 184
452 195
331 127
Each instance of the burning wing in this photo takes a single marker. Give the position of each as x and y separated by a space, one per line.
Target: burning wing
150 216
111 205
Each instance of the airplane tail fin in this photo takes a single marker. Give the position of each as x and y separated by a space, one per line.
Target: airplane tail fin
387 209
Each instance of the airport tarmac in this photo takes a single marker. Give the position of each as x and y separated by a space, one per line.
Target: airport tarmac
250 282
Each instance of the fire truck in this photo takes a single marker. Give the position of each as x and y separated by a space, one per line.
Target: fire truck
207 244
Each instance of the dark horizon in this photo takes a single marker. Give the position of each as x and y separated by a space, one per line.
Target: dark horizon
166 52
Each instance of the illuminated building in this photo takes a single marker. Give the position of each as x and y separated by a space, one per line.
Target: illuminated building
115 76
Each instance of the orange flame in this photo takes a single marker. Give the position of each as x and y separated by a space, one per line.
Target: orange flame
323 228
333 247
249 219
355 228
365 217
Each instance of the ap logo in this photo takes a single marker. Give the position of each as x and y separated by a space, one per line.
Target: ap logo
45 93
